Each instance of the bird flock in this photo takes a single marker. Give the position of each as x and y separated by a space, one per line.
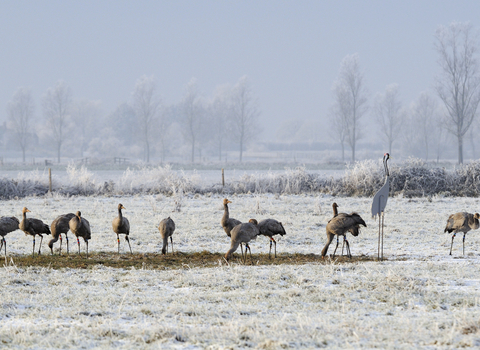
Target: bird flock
240 233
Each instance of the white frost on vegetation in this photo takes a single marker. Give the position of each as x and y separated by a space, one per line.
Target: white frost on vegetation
420 297
386 305
413 178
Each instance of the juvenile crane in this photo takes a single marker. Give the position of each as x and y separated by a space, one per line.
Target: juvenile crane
166 228
80 227
380 202
243 233
7 224
461 222
33 227
338 226
121 226
227 222
59 226
270 228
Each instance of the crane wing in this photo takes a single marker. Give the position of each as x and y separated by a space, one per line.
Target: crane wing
380 200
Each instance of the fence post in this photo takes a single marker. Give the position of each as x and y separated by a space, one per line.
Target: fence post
50 180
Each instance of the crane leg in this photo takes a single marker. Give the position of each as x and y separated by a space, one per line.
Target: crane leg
244 257
171 240
128 241
348 249
118 243
251 259
4 243
40 247
66 238
335 249
78 242
60 252
382 232
451 245
86 242
33 252
464 243
270 251
379 230
275 244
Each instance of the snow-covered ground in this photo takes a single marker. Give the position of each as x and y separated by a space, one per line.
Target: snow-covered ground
419 297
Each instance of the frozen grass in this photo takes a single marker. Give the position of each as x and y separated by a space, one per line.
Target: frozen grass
384 305
419 298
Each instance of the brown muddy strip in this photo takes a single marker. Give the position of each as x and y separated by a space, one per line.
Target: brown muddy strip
179 260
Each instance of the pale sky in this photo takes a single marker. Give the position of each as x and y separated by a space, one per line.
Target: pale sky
290 50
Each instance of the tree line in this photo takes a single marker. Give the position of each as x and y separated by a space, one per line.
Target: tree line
137 128
145 126
428 121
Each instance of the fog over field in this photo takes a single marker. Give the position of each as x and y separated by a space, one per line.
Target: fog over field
238 81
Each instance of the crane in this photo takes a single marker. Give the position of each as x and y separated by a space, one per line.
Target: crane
380 202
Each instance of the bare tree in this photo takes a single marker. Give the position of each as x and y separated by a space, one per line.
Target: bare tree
56 108
220 110
350 101
339 116
20 112
86 114
146 105
123 123
425 118
163 123
388 113
411 136
192 111
244 118
458 85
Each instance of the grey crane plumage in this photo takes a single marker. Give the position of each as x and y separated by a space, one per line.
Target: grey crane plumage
380 202
121 225
270 228
166 228
354 230
7 224
33 227
461 222
339 225
243 233
80 227
60 225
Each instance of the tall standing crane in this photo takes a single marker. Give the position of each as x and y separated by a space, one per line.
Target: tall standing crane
379 204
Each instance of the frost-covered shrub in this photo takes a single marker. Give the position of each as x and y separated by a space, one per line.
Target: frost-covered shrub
294 181
414 178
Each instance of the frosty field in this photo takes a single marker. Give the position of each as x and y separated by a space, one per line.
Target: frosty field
419 297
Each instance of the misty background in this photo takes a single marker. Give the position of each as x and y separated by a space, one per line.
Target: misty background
230 81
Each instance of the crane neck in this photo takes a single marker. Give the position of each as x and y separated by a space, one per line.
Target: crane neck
225 206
